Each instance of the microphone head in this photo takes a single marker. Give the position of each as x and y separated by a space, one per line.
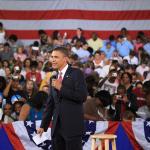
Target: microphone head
54 75
50 69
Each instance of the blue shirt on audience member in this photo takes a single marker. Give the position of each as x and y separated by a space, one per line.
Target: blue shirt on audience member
108 51
147 48
124 48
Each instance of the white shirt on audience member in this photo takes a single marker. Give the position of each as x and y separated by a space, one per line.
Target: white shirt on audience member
131 61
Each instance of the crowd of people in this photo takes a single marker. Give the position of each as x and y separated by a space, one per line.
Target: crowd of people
117 74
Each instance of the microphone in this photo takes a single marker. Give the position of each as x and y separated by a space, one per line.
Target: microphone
54 75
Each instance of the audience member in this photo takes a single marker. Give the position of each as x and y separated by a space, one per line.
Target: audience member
108 49
78 37
95 42
144 111
33 111
96 109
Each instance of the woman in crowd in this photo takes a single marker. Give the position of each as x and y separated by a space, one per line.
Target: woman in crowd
19 55
26 67
33 111
96 108
30 89
34 74
124 101
58 40
126 80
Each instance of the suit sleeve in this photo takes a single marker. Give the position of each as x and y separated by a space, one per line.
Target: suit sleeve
48 112
77 94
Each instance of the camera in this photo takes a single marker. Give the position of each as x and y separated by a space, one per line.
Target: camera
17 69
114 74
15 77
119 97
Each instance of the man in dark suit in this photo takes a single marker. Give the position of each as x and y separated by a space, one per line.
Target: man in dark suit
65 104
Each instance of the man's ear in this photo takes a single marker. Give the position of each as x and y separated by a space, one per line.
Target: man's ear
67 59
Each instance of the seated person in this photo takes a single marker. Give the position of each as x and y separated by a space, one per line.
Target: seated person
95 108
124 102
144 111
7 112
16 109
33 111
110 83
34 74
13 91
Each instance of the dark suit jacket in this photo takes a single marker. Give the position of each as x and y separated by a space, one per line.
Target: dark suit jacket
67 104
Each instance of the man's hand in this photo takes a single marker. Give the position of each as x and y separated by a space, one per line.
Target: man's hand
57 84
40 131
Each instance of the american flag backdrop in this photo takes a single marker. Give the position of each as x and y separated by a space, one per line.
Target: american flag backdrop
106 17
130 135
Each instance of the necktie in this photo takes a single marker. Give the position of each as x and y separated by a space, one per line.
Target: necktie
60 76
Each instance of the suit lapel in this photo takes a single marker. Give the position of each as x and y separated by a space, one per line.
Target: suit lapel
67 74
55 92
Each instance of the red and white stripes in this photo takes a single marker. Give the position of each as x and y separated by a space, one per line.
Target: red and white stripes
25 18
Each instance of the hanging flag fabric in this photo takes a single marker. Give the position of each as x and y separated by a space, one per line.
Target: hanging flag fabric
25 18
130 135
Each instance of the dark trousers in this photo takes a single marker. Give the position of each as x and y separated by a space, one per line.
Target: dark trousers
60 142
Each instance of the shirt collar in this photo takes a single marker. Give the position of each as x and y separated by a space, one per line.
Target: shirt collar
63 71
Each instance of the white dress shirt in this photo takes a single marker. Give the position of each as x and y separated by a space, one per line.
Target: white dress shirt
63 71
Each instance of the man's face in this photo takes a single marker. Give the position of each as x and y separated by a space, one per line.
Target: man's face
97 56
79 32
113 76
7 109
58 60
94 36
17 108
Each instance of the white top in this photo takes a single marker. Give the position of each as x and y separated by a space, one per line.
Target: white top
111 87
74 49
102 64
105 71
118 58
2 37
132 61
141 69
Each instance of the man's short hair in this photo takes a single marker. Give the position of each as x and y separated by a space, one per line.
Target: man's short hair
62 50
34 64
80 29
